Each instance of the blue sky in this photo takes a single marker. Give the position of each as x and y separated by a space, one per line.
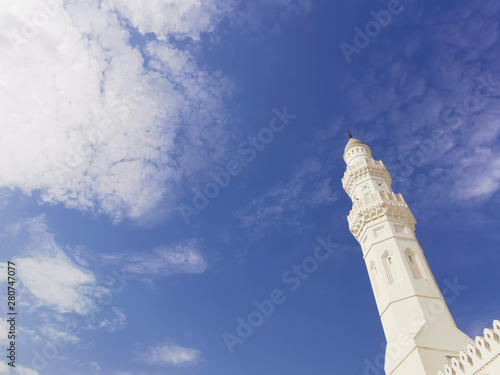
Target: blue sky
116 113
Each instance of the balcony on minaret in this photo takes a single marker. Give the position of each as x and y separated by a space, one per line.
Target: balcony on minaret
377 207
364 170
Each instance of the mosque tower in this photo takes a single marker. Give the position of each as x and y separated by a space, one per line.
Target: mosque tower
420 331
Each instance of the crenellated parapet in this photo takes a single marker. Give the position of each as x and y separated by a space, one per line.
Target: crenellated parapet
483 358
376 205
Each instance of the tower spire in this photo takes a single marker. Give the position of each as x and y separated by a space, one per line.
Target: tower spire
420 331
350 134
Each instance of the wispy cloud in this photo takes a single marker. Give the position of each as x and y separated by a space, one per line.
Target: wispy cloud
179 18
170 354
55 335
18 370
3 273
4 329
56 282
49 277
183 257
271 13
426 95
61 279
21 370
287 203
117 322
4 368
477 326
59 290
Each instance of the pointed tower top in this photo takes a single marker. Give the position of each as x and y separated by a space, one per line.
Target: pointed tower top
350 134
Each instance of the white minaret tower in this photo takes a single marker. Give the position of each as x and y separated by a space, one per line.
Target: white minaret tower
420 331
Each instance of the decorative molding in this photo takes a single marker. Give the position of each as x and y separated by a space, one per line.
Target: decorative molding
373 206
364 168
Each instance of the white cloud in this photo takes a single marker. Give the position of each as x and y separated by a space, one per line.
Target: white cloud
181 18
21 370
18 370
57 336
95 366
170 354
408 104
252 15
3 273
49 275
4 368
56 282
30 333
481 178
166 260
4 329
5 195
85 121
288 202
92 104
52 279
115 323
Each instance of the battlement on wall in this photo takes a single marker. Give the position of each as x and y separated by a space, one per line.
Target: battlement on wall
481 359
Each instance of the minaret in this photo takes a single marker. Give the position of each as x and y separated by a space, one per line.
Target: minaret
420 331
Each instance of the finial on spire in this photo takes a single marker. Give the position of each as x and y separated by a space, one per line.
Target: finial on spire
350 134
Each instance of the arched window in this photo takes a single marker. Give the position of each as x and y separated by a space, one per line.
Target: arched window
391 267
415 264
374 278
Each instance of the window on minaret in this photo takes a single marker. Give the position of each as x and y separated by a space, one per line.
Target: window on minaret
374 278
415 264
391 267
